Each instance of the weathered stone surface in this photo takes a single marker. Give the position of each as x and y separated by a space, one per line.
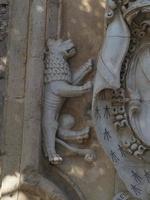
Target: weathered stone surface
14 100
34 85
53 8
31 24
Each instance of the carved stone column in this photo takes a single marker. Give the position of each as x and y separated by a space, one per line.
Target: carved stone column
22 109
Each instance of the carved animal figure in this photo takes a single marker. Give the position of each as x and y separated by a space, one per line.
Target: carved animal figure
60 83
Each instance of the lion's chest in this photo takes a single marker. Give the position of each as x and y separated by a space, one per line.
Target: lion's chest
56 69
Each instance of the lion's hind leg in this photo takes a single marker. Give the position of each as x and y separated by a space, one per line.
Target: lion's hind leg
49 143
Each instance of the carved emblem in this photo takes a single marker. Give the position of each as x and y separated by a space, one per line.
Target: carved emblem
60 84
122 84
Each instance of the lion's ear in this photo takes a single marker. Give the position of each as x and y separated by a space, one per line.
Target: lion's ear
50 42
60 40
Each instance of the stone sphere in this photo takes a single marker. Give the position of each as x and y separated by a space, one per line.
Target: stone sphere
67 121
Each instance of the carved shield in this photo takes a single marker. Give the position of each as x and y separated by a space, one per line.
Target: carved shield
121 102
138 81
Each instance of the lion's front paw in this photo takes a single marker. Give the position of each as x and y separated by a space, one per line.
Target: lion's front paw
87 86
88 66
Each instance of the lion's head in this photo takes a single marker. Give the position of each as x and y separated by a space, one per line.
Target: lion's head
64 48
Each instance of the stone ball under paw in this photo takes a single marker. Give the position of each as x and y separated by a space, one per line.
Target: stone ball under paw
66 121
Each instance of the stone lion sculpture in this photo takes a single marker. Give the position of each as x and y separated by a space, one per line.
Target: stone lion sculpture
60 83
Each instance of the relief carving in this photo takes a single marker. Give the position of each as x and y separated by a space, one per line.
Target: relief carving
121 90
60 84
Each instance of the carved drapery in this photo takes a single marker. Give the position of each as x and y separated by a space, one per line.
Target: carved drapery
121 93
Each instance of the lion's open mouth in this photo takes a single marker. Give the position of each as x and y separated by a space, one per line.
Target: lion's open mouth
71 51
